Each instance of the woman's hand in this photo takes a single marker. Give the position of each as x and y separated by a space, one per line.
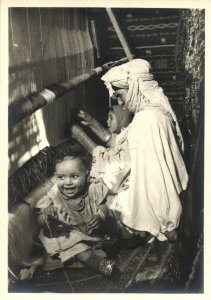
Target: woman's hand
86 118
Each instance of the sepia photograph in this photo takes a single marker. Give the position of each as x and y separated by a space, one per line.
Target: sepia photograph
106 142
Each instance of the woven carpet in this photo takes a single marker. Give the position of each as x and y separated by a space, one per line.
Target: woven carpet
155 267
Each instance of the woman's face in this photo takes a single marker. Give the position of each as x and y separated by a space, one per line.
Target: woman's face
112 121
120 95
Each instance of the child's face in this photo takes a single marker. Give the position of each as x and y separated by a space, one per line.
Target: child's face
112 122
71 177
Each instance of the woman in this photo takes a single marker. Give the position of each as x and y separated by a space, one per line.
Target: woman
149 151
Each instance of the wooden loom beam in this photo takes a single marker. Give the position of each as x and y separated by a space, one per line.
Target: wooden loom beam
26 106
119 33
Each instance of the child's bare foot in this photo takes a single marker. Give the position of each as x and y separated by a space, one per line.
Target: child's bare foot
172 236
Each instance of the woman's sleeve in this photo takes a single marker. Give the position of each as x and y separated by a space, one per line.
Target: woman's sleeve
112 165
97 192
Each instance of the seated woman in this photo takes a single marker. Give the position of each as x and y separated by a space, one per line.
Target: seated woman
148 155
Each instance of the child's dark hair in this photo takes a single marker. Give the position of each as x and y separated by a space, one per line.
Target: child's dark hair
77 151
111 109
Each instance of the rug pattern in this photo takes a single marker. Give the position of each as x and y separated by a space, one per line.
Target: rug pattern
152 268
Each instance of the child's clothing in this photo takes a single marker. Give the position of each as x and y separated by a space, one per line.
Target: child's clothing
68 239
113 165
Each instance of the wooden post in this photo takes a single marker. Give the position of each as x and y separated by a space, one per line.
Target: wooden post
119 33
94 37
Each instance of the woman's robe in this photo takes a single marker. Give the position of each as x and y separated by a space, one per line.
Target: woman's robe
151 157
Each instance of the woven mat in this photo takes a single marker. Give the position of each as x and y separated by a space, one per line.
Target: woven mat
151 268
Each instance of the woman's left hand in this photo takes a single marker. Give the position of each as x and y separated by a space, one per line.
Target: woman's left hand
94 222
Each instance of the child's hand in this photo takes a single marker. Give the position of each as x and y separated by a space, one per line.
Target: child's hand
86 118
94 222
64 214
47 214
50 212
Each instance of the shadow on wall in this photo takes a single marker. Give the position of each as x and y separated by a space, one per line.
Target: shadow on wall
55 47
26 138
47 125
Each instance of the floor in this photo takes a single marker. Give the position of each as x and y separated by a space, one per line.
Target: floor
152 268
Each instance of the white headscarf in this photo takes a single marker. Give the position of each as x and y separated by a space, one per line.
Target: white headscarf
142 89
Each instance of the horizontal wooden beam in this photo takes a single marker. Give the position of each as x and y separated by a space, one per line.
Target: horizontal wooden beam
26 106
